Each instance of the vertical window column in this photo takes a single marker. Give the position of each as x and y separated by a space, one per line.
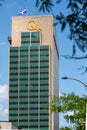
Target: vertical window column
33 90
28 84
25 38
39 88
18 83
23 95
13 85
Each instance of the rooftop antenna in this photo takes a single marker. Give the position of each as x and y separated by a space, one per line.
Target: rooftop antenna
35 12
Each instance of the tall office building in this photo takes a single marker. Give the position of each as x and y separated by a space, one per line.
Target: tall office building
33 72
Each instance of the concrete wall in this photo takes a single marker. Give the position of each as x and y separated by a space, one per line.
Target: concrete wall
7 126
56 81
45 23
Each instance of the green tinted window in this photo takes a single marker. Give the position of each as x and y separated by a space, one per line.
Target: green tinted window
35 38
32 38
25 38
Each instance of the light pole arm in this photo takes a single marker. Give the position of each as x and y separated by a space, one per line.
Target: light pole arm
79 81
75 80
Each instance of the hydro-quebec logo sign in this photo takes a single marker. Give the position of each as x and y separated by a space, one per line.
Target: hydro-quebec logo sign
32 25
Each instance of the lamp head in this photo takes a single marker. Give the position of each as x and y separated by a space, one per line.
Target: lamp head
65 77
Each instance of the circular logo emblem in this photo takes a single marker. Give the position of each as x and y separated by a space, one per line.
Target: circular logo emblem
32 25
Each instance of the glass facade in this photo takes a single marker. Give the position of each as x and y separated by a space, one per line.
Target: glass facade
29 83
30 38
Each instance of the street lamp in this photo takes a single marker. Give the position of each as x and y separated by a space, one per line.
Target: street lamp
85 85
75 79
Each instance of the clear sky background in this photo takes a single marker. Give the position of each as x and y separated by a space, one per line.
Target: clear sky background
11 8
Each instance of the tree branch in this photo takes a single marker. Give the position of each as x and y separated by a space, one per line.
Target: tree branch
74 57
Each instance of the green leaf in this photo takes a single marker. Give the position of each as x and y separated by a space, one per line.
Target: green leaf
74 50
63 25
58 1
69 4
81 47
37 2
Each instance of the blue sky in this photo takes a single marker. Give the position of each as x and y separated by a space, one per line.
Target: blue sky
11 8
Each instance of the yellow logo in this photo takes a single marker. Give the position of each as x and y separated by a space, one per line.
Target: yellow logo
32 25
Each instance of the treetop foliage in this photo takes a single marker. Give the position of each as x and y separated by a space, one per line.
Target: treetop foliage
1 2
76 20
73 107
44 5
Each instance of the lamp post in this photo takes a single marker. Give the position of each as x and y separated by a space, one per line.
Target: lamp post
85 85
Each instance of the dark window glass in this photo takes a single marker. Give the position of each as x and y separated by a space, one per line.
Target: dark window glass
33 126
31 50
13 114
23 126
13 120
13 68
11 73
13 56
23 50
44 126
13 50
36 114
43 49
13 62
